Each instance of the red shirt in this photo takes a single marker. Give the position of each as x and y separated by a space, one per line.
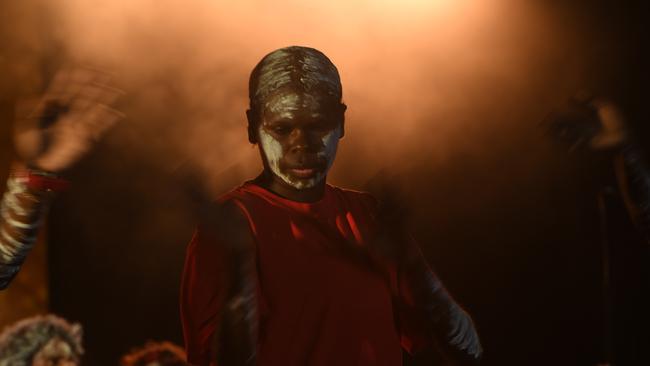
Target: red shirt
319 305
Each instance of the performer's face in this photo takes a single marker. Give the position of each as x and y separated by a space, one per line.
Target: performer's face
298 136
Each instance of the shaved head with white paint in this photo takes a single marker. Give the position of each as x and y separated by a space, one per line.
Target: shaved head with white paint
296 114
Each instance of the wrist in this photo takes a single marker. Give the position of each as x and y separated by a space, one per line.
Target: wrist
41 182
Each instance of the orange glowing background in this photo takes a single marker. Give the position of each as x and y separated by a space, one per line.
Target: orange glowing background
428 84
411 69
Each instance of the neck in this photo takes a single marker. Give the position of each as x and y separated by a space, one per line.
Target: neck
276 185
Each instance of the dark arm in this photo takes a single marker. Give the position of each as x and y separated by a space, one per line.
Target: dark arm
431 323
51 135
633 174
218 302
430 319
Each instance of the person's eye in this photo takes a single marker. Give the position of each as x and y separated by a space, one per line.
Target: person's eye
282 130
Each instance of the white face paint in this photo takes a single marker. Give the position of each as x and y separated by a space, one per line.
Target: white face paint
287 103
330 145
273 152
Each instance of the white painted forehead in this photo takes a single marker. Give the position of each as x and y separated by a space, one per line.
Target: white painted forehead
291 101
299 66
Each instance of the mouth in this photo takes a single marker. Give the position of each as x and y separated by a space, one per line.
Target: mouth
304 173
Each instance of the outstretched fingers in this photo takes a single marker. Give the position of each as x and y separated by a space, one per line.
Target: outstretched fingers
98 119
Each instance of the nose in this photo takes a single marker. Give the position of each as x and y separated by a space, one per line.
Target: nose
301 141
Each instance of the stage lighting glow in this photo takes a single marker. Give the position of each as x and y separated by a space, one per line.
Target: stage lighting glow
424 7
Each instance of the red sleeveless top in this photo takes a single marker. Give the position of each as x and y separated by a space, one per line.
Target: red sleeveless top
320 306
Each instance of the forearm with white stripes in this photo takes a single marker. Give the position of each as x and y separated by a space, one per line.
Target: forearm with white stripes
21 214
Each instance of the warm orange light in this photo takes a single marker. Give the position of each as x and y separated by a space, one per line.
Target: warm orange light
424 67
417 6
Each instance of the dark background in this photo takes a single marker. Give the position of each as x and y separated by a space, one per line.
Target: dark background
508 219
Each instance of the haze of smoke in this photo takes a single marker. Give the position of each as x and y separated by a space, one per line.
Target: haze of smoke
441 95
420 80
444 95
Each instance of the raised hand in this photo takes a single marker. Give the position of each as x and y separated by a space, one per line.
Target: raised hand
57 131
587 122
63 125
599 124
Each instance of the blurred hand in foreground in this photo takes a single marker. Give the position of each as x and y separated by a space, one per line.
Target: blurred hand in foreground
588 122
57 130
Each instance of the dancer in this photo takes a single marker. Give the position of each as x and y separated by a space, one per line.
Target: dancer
41 341
155 354
61 128
290 270
599 125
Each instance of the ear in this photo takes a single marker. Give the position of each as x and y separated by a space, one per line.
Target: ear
343 109
252 134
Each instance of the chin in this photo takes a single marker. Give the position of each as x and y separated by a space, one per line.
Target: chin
305 183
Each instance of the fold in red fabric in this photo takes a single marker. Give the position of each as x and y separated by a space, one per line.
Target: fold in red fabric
322 300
